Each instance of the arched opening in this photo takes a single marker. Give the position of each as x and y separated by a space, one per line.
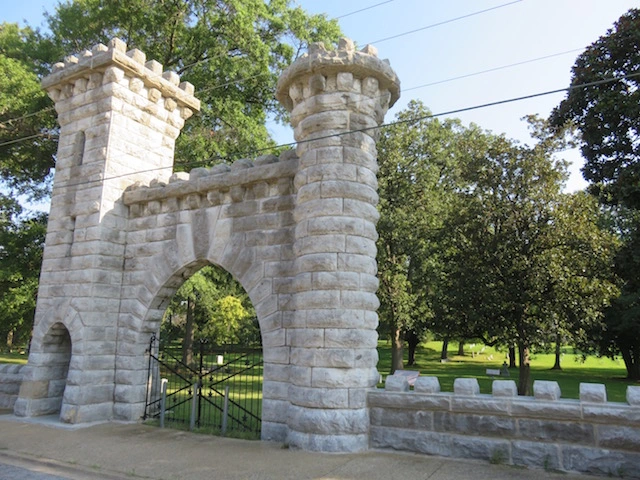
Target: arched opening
206 364
56 349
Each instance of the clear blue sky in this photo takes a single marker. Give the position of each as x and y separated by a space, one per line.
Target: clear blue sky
512 32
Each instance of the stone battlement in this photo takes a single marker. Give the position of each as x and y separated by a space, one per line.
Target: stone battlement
587 435
78 74
220 184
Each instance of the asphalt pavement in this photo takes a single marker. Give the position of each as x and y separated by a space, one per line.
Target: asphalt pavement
45 449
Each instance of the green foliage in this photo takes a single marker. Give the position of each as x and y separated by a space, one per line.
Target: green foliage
527 262
220 310
21 244
608 115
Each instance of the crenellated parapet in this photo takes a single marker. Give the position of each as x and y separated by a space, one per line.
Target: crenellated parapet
245 179
588 435
142 82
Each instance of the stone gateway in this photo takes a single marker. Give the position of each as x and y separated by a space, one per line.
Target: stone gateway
297 231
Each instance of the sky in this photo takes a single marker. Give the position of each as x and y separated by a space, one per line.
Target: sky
529 46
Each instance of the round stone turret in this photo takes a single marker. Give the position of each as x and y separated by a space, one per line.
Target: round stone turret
337 100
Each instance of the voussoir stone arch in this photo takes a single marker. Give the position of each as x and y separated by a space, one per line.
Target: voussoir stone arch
296 230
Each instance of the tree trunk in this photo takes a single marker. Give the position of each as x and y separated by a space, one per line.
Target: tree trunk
524 373
445 347
631 364
10 340
461 348
397 351
187 340
512 357
556 365
413 340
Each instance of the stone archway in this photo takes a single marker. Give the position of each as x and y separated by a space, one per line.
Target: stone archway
297 231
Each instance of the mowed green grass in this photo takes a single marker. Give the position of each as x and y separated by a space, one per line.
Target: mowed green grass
574 370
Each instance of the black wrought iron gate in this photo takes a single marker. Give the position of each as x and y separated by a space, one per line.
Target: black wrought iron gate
219 392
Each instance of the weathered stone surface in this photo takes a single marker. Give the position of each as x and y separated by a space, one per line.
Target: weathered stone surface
504 388
396 383
546 390
593 393
427 385
466 386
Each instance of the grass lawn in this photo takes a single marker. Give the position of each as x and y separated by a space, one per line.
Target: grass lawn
574 371
14 357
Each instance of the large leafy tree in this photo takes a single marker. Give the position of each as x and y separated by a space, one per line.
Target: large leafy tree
231 50
607 115
528 259
21 242
418 158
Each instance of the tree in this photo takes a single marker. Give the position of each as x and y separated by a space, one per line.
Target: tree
21 243
417 160
526 257
607 115
231 50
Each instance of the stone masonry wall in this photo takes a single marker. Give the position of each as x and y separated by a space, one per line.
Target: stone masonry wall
589 435
10 380
238 217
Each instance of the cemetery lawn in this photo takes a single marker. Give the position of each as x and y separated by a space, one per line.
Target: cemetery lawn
478 358
14 357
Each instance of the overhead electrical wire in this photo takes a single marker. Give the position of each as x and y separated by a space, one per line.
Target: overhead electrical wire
244 79
444 22
409 121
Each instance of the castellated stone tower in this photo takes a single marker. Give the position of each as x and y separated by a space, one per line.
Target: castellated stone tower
336 99
297 231
119 118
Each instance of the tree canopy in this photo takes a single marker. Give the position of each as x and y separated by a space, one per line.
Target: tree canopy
607 115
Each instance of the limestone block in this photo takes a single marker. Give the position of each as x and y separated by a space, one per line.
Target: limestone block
344 378
619 437
504 388
430 443
611 413
466 386
360 300
600 461
546 390
319 397
427 385
275 390
480 448
99 412
396 383
328 421
475 425
275 410
350 338
535 454
335 280
357 263
633 395
556 431
274 432
484 404
384 399
565 410
593 393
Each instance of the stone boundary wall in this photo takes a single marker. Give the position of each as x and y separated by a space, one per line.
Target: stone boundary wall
10 380
589 435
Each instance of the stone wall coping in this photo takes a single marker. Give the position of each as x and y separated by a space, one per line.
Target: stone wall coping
464 401
364 63
132 62
201 180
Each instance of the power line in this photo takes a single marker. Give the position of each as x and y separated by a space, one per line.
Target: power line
364 9
495 69
252 153
479 12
